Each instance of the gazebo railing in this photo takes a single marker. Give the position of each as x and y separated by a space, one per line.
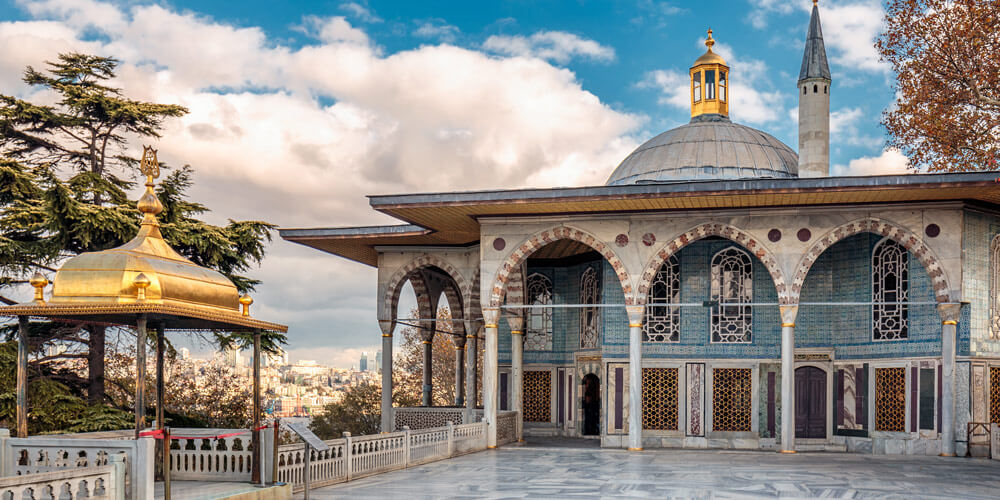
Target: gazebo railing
197 454
106 482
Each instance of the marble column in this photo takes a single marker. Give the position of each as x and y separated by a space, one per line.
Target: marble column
949 325
459 341
428 340
517 371
471 364
490 317
387 417
22 376
140 375
635 317
788 314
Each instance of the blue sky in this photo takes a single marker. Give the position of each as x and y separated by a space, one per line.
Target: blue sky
299 109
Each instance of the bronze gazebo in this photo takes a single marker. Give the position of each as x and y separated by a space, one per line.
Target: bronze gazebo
143 283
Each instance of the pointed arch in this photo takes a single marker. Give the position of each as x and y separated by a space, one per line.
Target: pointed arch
519 255
910 241
458 290
751 244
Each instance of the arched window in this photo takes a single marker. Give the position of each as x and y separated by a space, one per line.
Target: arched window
804 91
590 317
995 288
696 86
710 84
538 334
890 287
663 321
824 89
732 288
815 89
722 86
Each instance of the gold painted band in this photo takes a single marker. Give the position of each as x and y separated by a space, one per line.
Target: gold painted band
788 451
490 447
427 342
949 322
387 335
635 449
516 332
490 325
470 336
635 325
788 325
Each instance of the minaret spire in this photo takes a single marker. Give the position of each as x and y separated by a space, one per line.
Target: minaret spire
814 86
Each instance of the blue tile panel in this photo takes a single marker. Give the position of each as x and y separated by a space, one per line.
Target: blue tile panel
973 327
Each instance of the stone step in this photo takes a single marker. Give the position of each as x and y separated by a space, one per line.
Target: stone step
827 447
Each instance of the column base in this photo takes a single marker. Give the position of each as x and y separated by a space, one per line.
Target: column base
946 455
521 441
488 447
635 449
788 451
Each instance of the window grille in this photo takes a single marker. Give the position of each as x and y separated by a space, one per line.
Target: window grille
538 335
890 399
890 284
995 288
659 399
590 317
995 395
732 283
537 403
732 399
663 321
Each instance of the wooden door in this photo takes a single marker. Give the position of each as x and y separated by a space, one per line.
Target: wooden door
810 402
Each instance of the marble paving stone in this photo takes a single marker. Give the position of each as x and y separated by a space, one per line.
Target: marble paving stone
559 472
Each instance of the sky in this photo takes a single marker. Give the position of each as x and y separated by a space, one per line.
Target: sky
298 109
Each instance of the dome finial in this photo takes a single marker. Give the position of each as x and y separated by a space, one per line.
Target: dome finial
39 282
710 41
245 301
149 204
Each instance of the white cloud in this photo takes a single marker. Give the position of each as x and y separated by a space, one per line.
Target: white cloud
438 29
298 136
889 162
362 12
845 129
558 46
333 29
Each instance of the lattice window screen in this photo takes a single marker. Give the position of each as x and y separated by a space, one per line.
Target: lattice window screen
732 399
890 399
732 283
995 395
590 317
890 283
995 288
537 394
663 321
538 334
659 399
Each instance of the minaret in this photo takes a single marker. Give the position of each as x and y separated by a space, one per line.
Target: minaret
710 85
814 104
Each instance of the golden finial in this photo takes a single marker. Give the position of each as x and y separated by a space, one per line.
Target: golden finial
710 42
815 2
245 301
149 204
141 283
39 282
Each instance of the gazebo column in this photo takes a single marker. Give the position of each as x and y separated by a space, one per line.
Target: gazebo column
428 339
949 325
140 375
472 359
788 314
635 317
22 376
160 348
517 372
387 418
490 317
255 471
459 341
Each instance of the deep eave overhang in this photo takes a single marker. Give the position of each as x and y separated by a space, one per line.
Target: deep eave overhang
452 218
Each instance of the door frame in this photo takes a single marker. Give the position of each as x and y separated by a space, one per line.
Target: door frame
827 367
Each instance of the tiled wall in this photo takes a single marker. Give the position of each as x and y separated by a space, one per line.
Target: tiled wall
974 335
843 274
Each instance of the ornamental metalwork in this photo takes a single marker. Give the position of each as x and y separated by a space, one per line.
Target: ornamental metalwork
590 317
890 288
732 399
890 399
538 334
537 402
995 288
732 289
663 321
995 395
659 399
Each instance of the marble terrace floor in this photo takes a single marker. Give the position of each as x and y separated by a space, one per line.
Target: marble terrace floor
553 471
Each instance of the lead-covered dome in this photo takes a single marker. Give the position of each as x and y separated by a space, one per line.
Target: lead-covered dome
709 147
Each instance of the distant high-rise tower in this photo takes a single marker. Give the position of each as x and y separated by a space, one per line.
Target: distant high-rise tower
185 353
378 360
814 104
363 365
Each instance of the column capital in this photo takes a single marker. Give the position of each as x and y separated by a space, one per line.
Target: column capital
788 314
386 325
636 314
490 316
459 341
949 313
516 322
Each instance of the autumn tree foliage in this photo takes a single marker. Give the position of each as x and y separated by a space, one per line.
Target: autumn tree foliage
945 57
410 360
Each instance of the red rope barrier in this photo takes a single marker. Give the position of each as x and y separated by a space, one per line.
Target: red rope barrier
158 434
